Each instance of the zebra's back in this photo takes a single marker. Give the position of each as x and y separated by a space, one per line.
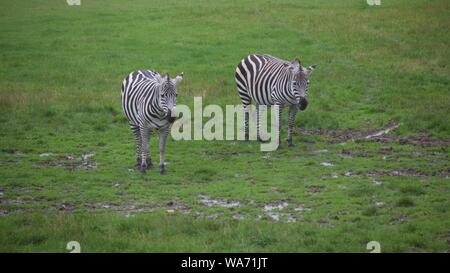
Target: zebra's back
138 91
257 76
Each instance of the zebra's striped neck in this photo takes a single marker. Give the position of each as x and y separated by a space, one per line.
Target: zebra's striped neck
160 108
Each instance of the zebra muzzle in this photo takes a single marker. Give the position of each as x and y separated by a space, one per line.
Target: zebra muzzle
169 116
302 104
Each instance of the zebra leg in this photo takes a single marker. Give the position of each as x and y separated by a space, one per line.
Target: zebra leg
292 113
258 126
162 146
145 155
259 111
280 110
246 102
148 160
137 136
246 119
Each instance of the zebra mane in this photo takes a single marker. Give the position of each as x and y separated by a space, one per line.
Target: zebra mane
161 78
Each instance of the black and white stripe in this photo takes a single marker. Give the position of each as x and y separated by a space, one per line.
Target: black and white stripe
147 101
268 80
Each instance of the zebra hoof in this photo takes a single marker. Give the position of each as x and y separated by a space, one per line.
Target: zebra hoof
290 144
149 164
138 164
280 147
143 168
162 170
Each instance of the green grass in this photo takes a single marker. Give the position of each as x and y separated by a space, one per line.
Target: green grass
60 78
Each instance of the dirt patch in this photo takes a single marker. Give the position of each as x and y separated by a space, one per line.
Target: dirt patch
314 188
129 209
219 202
423 140
345 135
325 223
17 201
302 208
426 153
70 162
5 212
374 174
14 152
121 208
239 217
383 135
386 150
408 172
398 219
65 207
284 217
352 153
274 212
14 206
277 206
377 183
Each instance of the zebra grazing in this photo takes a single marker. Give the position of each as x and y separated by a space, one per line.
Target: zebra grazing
147 100
271 81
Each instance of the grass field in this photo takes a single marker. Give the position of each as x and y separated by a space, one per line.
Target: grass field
67 154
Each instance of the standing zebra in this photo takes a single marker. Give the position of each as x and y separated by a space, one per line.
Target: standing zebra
271 81
147 100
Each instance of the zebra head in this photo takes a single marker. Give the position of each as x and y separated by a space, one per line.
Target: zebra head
168 94
300 82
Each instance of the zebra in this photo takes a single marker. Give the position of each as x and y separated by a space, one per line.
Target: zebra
148 99
272 81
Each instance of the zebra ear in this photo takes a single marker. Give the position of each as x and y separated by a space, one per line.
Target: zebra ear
178 78
308 70
296 62
295 65
165 77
